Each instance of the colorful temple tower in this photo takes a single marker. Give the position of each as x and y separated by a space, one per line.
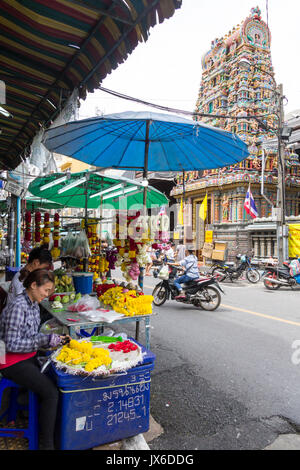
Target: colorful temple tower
238 85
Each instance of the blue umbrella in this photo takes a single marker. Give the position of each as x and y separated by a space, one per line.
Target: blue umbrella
146 141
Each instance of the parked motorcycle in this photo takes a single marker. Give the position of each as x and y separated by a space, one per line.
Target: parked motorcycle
222 271
203 293
278 276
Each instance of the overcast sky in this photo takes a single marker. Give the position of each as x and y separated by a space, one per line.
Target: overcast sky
167 68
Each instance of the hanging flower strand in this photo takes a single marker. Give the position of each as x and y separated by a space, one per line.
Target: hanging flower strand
37 233
55 252
28 226
46 233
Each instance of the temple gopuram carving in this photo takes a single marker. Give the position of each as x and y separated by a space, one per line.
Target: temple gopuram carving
238 83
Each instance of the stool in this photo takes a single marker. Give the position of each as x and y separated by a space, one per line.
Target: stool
31 432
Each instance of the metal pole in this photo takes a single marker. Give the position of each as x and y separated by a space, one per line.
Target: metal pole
11 236
145 175
281 227
145 172
183 204
86 261
18 235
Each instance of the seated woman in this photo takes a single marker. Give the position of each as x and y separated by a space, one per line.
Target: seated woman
19 323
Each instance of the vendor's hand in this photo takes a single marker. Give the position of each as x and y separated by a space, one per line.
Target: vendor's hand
65 339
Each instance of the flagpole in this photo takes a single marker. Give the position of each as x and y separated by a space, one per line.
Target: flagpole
183 205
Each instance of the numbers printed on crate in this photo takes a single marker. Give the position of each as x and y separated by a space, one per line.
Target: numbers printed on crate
121 416
131 402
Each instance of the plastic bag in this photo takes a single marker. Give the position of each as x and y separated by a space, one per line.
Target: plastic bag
164 273
53 326
67 244
81 248
85 304
294 267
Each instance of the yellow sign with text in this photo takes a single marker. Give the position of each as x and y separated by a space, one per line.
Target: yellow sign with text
208 236
294 240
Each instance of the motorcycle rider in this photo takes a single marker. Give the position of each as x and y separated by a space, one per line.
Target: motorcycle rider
190 265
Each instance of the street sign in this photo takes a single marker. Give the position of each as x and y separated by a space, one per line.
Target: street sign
14 188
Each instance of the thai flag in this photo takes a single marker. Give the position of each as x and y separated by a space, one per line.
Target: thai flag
249 204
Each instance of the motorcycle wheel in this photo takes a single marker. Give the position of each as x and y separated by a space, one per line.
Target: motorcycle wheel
219 274
253 276
268 283
210 298
160 295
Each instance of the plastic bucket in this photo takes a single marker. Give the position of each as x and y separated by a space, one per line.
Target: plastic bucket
10 271
83 282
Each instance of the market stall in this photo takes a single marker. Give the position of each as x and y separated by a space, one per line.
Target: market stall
87 266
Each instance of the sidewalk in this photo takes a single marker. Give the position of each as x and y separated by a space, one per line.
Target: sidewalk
139 442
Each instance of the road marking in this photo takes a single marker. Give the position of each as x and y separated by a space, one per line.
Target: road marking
270 317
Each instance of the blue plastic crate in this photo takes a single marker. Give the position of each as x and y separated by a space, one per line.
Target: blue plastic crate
297 277
96 411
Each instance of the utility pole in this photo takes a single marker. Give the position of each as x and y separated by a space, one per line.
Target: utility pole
281 228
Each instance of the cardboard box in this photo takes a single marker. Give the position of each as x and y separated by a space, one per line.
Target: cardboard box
206 253
220 246
218 255
208 246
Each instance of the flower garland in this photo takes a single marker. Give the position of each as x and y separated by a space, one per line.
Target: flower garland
55 252
132 252
77 353
46 232
37 232
128 302
27 226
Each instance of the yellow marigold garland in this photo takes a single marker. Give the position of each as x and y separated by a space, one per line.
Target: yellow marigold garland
76 353
128 302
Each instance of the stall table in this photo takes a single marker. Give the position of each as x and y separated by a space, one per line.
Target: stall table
84 323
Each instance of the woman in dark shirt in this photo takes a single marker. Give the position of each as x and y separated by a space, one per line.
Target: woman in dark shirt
19 324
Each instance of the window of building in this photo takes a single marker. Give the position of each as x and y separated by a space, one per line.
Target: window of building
211 107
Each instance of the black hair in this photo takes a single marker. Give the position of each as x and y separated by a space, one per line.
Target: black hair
40 276
41 253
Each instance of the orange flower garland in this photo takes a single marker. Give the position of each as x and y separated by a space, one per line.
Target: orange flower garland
55 252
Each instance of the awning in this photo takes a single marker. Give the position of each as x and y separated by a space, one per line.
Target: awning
47 49
93 189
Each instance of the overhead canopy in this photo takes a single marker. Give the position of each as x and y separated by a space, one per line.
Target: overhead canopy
49 48
112 191
145 140
33 203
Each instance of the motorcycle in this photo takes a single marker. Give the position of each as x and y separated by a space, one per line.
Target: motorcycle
277 276
203 293
223 271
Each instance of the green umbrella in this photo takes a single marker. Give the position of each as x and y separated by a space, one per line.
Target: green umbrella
88 189
33 203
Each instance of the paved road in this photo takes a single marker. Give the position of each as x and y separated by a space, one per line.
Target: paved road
226 379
